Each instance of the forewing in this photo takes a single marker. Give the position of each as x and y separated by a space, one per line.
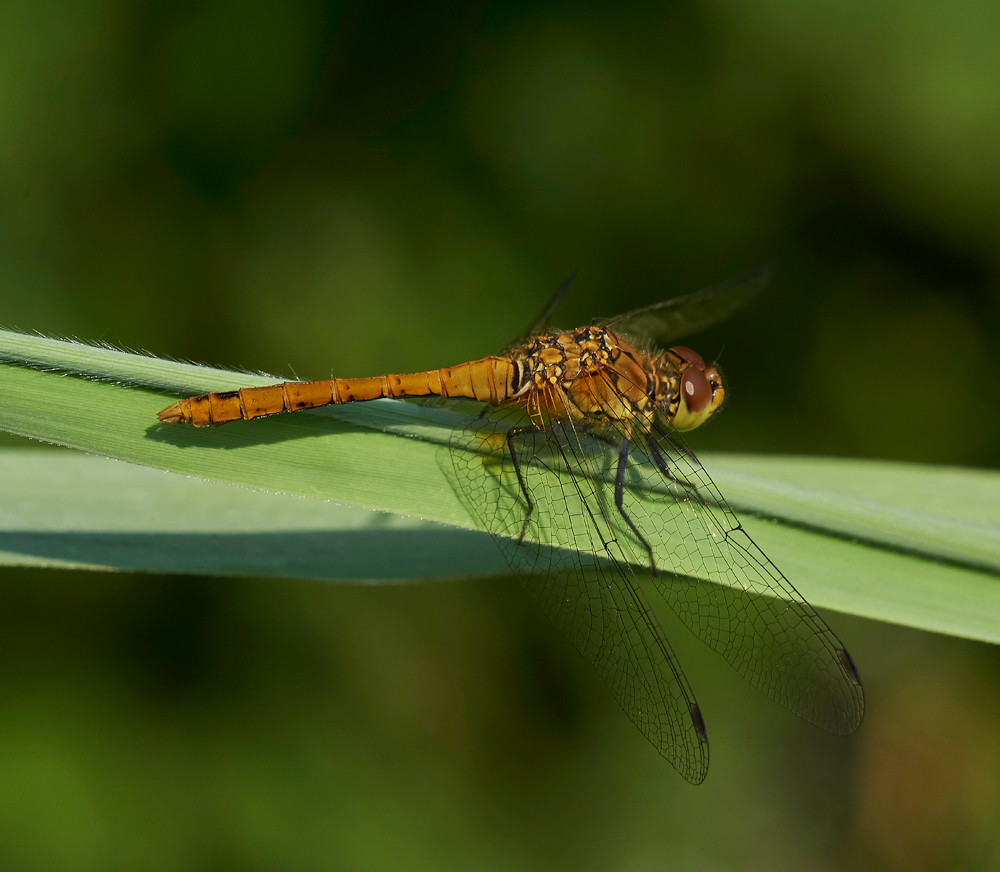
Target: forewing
575 563
544 319
666 322
723 587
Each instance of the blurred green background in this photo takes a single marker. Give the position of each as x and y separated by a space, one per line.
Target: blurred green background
315 188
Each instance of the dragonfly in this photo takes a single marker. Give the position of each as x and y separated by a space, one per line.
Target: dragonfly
577 467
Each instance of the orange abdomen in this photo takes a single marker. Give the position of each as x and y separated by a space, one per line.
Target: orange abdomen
488 380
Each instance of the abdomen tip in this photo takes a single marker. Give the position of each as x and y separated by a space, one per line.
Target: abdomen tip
171 414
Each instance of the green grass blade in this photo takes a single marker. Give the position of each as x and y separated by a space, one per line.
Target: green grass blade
905 543
70 510
948 513
332 454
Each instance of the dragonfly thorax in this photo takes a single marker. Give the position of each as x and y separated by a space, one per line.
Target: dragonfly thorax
588 375
558 359
593 376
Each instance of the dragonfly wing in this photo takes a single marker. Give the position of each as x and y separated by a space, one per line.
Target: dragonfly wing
666 322
542 322
577 569
723 587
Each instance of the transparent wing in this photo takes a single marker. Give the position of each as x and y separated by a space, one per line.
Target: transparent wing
723 587
546 497
544 319
726 590
671 320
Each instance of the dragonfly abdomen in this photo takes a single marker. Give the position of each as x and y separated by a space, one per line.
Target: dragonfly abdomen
488 380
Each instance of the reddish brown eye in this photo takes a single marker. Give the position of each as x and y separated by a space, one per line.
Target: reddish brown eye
696 390
692 357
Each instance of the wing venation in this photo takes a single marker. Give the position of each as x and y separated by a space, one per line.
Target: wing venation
575 562
670 320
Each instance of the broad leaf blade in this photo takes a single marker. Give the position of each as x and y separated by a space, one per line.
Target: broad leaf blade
947 513
70 510
65 509
905 543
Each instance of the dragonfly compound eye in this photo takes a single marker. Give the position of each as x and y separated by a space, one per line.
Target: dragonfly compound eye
692 357
699 398
695 389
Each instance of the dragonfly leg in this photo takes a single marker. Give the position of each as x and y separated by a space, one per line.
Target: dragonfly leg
620 498
661 464
517 431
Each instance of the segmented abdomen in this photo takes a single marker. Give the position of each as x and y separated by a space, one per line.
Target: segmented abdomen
488 380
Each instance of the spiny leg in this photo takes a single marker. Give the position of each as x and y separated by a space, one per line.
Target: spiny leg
517 431
661 464
620 498
665 433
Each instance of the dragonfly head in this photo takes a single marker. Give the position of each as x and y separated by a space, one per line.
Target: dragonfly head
700 388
